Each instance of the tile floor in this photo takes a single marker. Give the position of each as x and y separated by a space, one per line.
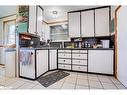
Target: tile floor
73 81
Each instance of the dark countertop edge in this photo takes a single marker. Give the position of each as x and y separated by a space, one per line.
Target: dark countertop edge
10 50
88 49
67 48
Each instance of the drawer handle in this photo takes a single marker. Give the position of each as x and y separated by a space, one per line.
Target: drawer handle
64 66
79 55
64 60
79 61
79 67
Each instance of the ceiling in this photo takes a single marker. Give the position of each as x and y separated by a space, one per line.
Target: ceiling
7 10
61 12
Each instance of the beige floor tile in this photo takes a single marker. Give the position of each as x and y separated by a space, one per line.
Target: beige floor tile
4 88
107 80
8 81
102 76
94 75
29 81
95 88
70 80
109 86
95 84
82 87
94 78
38 86
27 86
83 74
68 86
82 82
16 84
82 77
56 85
115 81
120 86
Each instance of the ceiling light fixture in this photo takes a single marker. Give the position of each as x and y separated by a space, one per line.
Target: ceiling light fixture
55 12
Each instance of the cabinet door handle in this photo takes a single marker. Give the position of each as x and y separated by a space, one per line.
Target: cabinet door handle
37 52
31 53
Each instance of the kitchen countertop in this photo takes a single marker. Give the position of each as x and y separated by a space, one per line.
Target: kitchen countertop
52 48
10 49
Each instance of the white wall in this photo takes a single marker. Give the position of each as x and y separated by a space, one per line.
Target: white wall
122 45
2 37
1 31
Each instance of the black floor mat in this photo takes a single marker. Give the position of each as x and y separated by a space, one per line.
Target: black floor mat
52 78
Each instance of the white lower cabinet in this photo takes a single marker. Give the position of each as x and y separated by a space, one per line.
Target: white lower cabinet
63 66
53 59
100 61
79 68
10 61
41 61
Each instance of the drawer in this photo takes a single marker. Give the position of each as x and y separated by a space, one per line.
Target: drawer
65 51
79 56
79 51
64 55
79 68
79 62
62 66
68 61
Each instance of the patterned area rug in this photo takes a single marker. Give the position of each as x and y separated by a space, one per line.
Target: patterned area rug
50 79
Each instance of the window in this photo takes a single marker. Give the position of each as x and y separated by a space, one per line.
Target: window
9 33
59 32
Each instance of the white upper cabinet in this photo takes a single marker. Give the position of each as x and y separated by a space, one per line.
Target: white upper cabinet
74 24
39 22
32 19
87 23
102 22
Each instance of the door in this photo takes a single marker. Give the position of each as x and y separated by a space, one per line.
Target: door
41 61
74 24
53 59
97 65
87 23
32 19
9 33
102 22
122 45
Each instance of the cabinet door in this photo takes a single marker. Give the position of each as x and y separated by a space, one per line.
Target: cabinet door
39 23
87 23
53 59
100 61
74 24
10 60
32 19
41 61
102 22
